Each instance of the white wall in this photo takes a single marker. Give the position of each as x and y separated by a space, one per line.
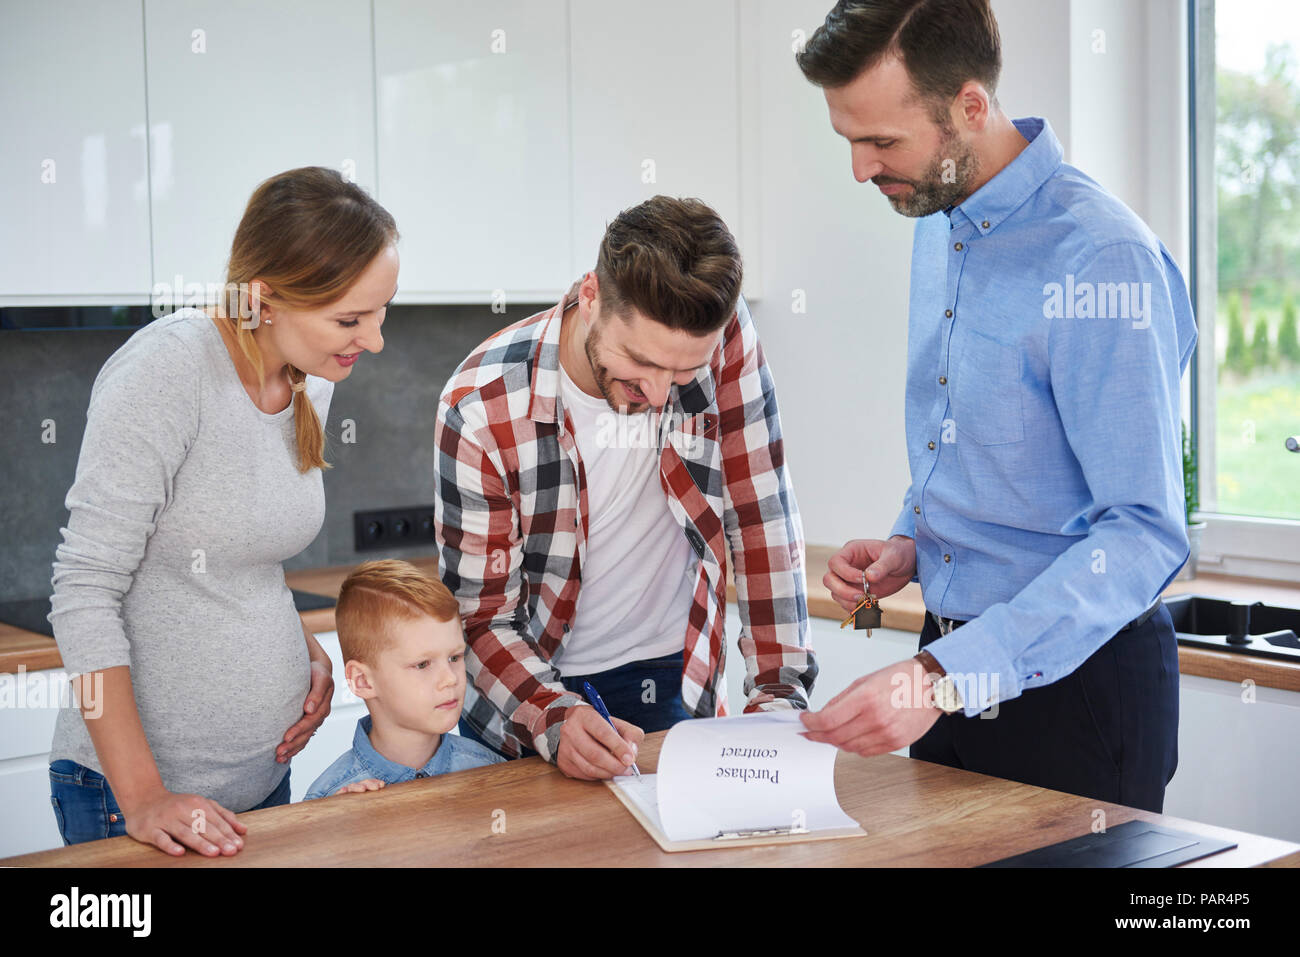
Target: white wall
1128 84
1107 75
840 368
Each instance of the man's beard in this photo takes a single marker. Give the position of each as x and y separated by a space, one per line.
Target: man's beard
931 193
603 381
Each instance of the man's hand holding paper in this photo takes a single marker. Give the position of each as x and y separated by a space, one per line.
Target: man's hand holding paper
880 712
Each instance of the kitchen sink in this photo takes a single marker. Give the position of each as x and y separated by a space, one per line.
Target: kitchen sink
1242 627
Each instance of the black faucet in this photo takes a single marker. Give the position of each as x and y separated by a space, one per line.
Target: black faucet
1239 627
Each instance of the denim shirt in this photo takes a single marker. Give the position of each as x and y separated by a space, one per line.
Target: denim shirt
363 761
1048 330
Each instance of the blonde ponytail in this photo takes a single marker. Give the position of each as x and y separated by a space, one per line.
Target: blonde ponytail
307 424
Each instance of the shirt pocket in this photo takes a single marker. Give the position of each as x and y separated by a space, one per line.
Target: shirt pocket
986 402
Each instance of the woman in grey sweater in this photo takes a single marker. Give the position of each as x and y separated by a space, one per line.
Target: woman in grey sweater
199 473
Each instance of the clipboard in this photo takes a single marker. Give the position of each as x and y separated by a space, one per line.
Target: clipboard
739 838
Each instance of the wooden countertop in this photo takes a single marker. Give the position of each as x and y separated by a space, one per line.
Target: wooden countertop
916 814
904 611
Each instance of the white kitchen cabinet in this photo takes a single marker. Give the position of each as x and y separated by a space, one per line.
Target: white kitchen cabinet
74 204
238 92
28 824
1236 757
502 136
29 705
656 109
473 131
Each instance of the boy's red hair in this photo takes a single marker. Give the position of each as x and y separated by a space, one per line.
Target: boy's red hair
378 592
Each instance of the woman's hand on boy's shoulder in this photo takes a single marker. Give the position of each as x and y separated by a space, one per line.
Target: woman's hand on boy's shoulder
357 787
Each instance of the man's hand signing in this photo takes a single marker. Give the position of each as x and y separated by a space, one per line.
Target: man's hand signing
590 750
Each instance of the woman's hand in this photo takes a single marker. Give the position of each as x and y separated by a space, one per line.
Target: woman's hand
172 822
314 711
153 815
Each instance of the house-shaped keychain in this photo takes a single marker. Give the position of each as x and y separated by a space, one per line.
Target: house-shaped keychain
866 615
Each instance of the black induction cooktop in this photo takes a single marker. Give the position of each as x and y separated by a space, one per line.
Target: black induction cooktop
30 613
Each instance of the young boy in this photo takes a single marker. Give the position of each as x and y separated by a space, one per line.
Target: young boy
404 653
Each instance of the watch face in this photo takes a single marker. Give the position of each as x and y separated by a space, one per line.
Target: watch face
945 695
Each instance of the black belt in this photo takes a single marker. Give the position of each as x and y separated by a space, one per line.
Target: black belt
947 625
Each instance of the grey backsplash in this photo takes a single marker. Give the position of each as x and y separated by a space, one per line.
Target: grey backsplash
392 398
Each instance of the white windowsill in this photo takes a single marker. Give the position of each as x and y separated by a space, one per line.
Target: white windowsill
1247 547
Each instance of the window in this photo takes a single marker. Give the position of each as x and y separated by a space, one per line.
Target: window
1246 118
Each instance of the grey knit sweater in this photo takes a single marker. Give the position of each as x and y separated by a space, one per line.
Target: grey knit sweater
186 501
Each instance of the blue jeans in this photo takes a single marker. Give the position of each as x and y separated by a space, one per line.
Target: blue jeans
86 810
623 689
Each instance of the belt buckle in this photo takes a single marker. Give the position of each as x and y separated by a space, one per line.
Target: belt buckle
945 625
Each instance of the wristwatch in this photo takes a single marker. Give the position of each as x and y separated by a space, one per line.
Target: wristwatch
946 696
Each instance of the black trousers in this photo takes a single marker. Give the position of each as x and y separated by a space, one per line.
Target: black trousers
1108 730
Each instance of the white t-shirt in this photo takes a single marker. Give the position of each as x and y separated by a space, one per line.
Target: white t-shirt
638 580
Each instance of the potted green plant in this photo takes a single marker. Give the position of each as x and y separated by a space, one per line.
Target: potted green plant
1191 502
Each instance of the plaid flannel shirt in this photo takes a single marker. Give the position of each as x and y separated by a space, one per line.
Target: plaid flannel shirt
511 522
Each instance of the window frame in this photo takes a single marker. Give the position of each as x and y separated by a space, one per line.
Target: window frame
1235 545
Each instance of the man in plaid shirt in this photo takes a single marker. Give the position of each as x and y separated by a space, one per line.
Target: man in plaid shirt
595 460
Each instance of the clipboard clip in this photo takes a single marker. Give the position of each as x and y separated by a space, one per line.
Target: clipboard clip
760 832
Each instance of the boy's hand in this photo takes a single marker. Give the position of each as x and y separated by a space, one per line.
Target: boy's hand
590 749
356 787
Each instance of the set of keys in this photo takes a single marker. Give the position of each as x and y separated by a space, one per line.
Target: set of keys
867 614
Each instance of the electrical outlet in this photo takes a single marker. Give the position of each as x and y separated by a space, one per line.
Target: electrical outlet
393 528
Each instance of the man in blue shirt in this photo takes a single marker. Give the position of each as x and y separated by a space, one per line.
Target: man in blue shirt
1047 334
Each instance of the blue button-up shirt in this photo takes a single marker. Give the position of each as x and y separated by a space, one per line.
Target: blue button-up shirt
454 753
1047 334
